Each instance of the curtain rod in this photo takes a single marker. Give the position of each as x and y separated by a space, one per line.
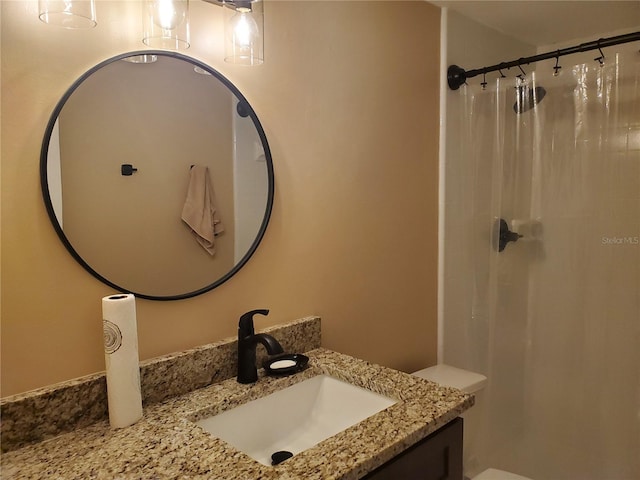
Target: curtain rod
457 76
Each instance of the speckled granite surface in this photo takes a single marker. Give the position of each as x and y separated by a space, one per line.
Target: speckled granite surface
46 412
167 444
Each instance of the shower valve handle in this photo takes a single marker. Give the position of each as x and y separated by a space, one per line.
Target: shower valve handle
505 235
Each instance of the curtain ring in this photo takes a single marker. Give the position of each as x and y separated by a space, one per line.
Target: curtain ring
523 74
600 59
557 67
483 84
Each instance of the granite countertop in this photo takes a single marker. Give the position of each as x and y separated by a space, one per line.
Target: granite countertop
167 444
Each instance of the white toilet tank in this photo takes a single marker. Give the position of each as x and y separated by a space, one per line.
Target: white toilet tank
469 382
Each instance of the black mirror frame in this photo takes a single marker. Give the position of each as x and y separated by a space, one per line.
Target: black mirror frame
49 205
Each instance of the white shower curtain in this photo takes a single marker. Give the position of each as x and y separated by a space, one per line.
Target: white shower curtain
555 320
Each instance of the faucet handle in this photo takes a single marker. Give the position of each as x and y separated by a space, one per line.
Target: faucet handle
245 325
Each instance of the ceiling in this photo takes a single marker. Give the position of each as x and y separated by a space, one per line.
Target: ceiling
547 22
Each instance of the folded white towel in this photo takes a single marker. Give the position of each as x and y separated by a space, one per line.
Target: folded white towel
199 211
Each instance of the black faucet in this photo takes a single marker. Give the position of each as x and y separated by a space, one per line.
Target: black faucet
247 342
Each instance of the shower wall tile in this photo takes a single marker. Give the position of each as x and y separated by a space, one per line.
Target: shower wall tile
458 247
624 176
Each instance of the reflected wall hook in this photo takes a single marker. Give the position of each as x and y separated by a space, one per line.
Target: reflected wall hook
126 169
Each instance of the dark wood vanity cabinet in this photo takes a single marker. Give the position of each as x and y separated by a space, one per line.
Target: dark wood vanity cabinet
437 457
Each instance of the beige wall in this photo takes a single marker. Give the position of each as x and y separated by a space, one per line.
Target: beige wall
348 97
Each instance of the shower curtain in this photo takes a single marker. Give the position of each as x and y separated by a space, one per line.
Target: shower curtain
555 316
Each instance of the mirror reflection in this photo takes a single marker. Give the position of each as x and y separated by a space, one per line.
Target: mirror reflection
117 172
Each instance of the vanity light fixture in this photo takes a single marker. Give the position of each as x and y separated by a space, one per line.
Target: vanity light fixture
243 31
72 14
200 70
141 59
166 24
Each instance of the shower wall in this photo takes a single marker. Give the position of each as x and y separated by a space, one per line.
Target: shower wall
468 299
469 45
554 336
582 389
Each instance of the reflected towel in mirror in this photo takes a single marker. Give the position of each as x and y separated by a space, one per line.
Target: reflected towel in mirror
199 211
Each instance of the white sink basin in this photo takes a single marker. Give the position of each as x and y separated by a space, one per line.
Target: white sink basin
295 418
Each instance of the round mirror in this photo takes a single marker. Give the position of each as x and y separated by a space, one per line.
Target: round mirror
157 175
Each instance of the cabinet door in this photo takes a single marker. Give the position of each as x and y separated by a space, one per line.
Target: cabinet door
437 457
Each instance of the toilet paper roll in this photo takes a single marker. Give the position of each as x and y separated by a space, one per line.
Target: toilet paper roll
121 359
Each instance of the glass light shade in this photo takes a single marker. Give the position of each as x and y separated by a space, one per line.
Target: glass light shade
244 33
68 13
141 59
166 24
